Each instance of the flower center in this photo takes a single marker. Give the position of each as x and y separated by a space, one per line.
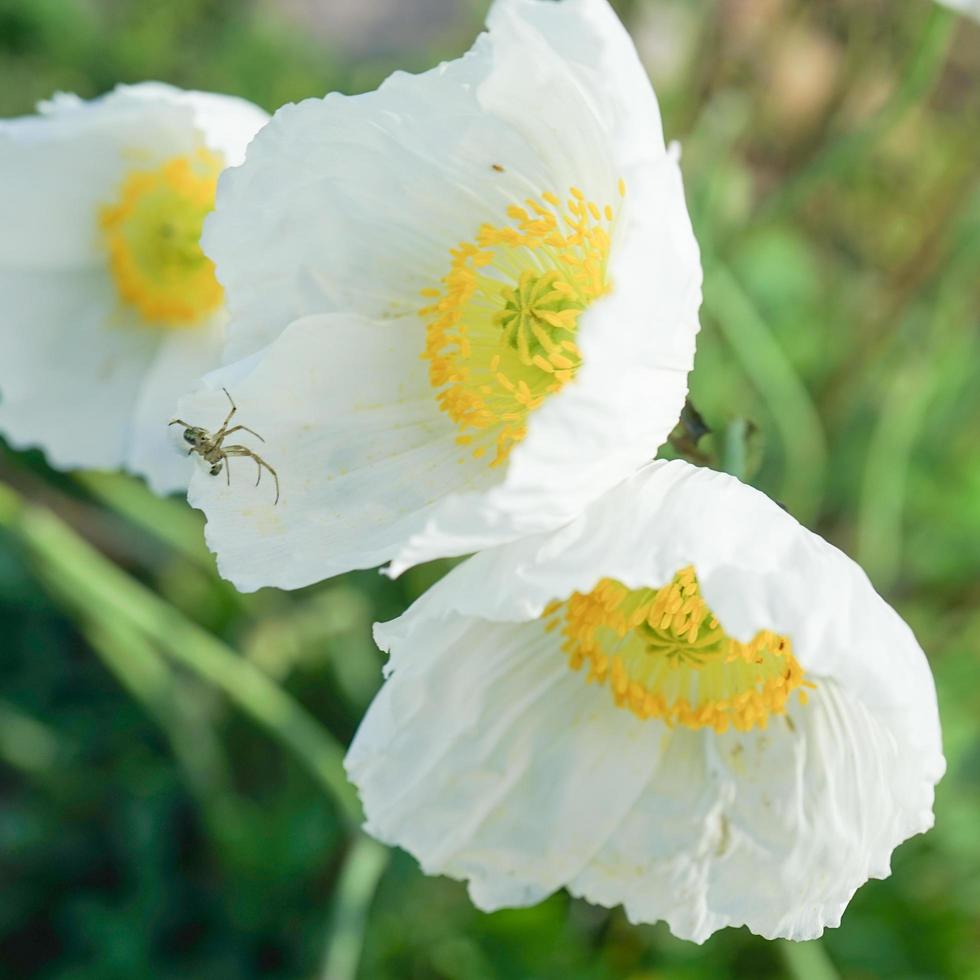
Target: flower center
663 654
501 332
153 231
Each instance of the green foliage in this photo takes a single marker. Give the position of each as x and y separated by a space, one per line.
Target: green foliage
169 807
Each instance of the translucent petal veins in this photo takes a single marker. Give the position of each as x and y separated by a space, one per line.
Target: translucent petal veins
663 654
152 232
502 328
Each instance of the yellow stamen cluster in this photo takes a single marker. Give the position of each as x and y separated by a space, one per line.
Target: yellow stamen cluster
152 233
663 654
501 333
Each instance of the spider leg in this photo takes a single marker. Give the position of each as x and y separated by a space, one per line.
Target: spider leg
224 433
275 478
231 412
227 471
260 462
186 425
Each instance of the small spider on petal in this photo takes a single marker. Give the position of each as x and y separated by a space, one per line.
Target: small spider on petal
211 448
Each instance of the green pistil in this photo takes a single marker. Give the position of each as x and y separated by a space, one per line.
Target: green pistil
536 317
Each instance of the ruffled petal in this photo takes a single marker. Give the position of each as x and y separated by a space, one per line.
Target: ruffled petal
516 779
568 53
773 830
57 168
72 367
391 180
226 123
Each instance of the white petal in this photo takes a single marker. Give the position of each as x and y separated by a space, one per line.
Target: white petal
361 451
773 828
72 367
56 170
353 203
489 760
226 123
637 349
574 45
156 451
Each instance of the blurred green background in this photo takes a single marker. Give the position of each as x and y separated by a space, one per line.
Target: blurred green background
165 793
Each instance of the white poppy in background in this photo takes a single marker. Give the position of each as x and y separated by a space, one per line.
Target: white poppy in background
110 307
683 703
480 286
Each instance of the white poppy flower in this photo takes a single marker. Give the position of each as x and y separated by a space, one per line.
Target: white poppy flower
683 703
480 286
110 307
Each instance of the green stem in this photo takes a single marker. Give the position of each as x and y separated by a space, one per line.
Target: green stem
734 451
767 367
364 865
807 961
98 592
943 356
889 454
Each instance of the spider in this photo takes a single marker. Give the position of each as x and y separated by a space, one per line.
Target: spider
211 448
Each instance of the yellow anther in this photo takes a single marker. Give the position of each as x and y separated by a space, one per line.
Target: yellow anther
500 337
664 655
152 233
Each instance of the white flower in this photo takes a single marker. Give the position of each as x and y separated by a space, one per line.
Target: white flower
110 308
683 703
480 286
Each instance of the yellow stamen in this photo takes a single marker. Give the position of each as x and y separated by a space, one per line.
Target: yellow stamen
663 654
152 232
501 331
